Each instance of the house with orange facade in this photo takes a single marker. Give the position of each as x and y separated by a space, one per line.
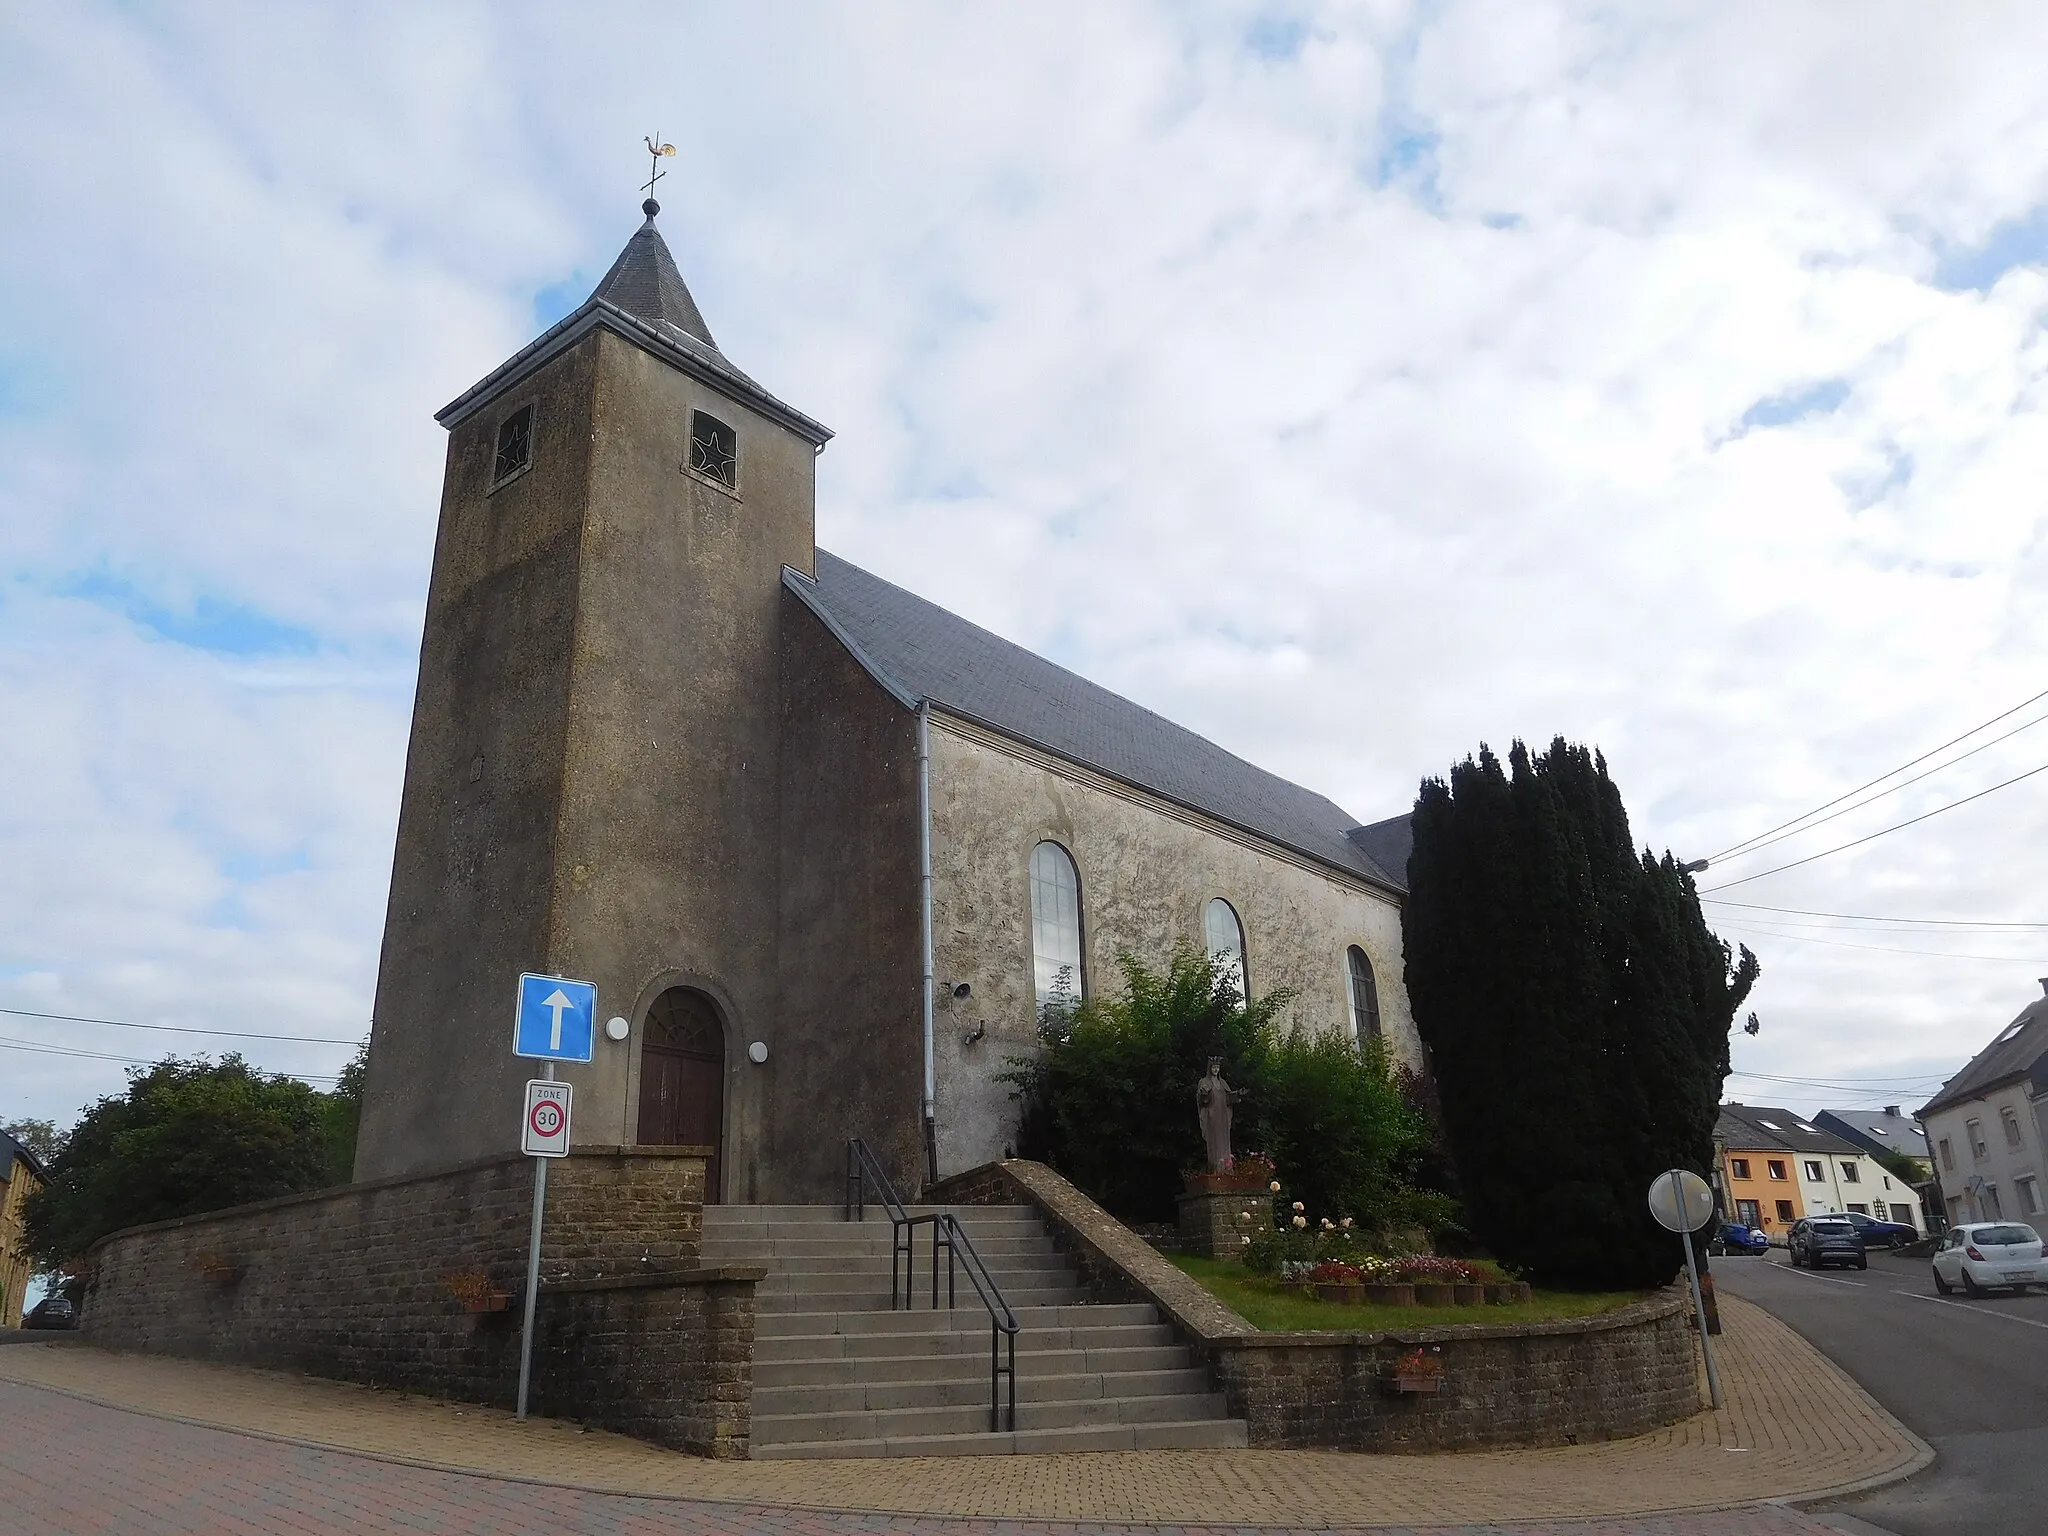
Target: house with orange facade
1776 1166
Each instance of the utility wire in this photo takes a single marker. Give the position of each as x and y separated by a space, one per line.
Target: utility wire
1729 885
38 1048
1756 846
1861 917
1746 842
1885 949
179 1029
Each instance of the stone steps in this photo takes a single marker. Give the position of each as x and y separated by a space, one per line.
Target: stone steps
838 1373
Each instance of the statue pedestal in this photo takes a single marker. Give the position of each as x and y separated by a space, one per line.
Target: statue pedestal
1209 1222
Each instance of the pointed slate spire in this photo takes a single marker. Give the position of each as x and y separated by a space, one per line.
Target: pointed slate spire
644 282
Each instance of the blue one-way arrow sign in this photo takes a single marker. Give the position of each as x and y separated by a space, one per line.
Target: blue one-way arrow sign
555 1018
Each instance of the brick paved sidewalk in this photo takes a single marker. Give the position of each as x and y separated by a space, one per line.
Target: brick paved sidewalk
1795 1426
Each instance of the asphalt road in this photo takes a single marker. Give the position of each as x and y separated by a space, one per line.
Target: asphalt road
1969 1377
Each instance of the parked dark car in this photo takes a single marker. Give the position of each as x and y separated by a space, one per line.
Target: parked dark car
1818 1241
1881 1234
52 1312
1738 1237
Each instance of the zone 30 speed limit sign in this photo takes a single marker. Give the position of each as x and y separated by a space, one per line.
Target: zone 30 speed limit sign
545 1132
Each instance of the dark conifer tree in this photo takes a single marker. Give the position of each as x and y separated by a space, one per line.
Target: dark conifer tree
1576 1010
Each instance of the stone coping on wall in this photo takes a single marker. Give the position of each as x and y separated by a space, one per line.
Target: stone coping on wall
390 1181
1100 1237
1195 1309
715 1274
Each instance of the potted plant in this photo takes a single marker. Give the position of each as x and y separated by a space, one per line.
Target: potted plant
1420 1370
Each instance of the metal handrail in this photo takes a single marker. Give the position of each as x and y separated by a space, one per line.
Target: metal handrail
861 1166
1002 1321
950 1235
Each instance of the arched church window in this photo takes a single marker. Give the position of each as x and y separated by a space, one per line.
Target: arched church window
1365 996
1055 925
1223 936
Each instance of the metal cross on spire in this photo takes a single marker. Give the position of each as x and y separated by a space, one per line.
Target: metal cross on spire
656 150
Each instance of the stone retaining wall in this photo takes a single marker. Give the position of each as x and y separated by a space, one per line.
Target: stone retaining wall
416 1282
1502 1384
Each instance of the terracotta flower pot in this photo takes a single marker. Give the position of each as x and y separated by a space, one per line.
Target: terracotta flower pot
1470 1295
1430 1295
1344 1295
1390 1293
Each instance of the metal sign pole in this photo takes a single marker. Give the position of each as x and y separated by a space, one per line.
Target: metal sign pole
540 1196
1692 1275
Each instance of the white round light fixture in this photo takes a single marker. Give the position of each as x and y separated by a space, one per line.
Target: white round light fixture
616 1028
758 1052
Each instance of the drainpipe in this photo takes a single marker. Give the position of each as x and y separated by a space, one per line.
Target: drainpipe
924 859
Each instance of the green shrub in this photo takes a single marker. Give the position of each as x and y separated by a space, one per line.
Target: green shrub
1110 1099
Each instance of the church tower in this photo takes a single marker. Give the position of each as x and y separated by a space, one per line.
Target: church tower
594 760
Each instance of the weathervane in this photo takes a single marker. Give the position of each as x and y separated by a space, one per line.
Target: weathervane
656 149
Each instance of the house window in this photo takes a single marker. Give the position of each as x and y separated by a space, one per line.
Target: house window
1749 1213
714 450
1903 1215
1784 1210
1978 1149
1850 1175
2012 1128
1055 926
1776 1170
1365 996
1738 1168
1223 934
2030 1196
1813 1171
1948 1154
1991 1207
1860 1210
515 446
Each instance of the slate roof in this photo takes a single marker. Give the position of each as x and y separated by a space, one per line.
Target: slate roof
919 652
2020 1050
1750 1127
645 281
1872 1129
12 1151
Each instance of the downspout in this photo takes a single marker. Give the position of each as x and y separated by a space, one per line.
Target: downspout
924 860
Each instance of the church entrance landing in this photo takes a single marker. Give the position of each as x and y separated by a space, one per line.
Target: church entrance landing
682 1079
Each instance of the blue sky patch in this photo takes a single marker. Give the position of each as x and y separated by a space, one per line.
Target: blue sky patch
1822 399
558 301
2021 242
206 624
1276 35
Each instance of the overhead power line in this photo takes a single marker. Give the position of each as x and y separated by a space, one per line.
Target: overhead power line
1884 949
1758 846
1747 843
1854 1084
36 1047
180 1029
1864 917
1729 885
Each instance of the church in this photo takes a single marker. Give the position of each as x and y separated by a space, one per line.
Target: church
825 848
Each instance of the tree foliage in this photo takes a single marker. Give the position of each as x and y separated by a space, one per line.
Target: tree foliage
187 1136
1110 1101
41 1137
1576 1009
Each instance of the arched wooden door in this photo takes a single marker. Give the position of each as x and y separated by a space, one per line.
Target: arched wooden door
682 1078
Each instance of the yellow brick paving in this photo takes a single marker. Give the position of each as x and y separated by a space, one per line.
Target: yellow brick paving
1794 1426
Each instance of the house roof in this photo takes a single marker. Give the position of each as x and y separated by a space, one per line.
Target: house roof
1875 1128
2020 1050
1758 1127
645 281
920 652
12 1151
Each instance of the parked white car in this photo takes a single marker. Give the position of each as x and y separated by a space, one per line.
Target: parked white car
1986 1254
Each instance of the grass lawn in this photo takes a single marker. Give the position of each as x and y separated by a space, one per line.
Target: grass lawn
1273 1308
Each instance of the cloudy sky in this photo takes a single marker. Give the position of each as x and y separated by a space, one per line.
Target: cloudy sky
1352 383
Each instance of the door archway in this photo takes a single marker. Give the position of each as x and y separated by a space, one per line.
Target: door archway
682 1079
